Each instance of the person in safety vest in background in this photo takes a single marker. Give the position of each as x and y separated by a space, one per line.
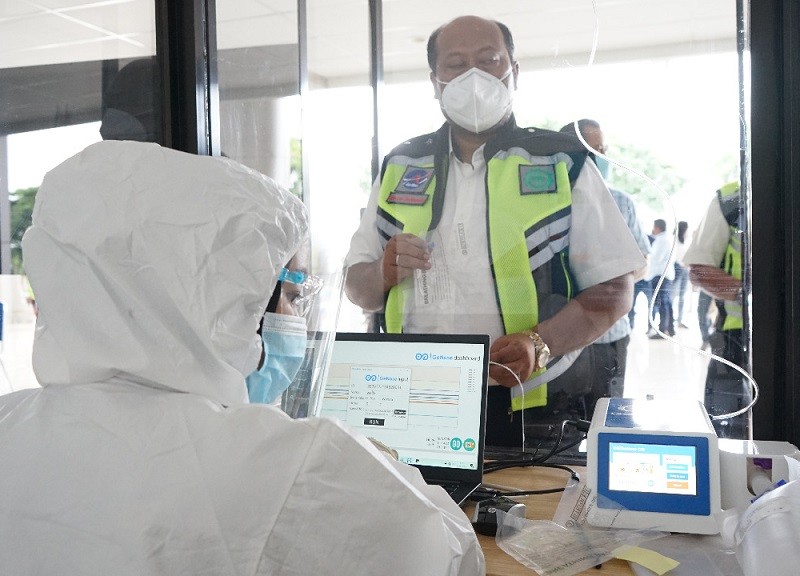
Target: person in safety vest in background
486 227
714 259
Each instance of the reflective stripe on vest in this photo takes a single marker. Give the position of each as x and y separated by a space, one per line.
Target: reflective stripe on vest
729 201
528 217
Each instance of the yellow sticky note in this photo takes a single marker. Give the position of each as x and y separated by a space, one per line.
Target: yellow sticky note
651 560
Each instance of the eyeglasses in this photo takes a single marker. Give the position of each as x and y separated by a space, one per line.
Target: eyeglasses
300 288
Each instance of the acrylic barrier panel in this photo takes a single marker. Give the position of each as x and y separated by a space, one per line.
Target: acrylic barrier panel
303 394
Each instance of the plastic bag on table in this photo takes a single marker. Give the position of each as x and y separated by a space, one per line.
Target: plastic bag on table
552 550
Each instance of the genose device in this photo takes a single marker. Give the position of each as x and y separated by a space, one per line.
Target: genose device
654 464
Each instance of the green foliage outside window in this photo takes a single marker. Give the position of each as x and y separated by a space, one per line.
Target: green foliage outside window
644 162
296 167
21 210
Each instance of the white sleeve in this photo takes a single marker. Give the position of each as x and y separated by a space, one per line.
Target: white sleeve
601 246
710 239
627 207
365 245
662 258
372 516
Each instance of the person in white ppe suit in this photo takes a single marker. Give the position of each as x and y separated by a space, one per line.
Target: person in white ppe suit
140 453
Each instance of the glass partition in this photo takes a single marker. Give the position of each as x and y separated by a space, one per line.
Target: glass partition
71 73
663 83
338 133
297 105
259 87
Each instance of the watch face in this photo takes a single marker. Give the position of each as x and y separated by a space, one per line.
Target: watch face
541 349
542 357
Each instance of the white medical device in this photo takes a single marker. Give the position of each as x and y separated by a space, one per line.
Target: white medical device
654 464
750 467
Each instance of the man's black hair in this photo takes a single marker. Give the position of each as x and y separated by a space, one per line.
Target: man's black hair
131 105
660 223
583 123
432 53
683 226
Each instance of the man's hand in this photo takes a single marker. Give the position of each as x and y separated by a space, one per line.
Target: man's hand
366 283
715 281
403 254
515 351
584 319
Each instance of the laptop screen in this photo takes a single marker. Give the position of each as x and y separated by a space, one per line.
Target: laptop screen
422 395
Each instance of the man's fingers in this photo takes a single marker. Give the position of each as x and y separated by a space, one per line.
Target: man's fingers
410 251
505 376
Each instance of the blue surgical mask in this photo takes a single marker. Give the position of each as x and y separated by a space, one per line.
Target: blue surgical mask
284 339
604 166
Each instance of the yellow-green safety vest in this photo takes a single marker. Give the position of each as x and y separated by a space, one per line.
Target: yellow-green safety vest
529 200
729 201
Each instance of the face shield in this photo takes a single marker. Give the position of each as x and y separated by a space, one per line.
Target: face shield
317 298
301 289
285 335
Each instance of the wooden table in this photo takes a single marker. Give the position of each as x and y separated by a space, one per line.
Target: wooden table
538 507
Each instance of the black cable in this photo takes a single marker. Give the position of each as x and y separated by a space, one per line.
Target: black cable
534 492
556 444
571 444
493 492
528 459
580 425
484 494
495 466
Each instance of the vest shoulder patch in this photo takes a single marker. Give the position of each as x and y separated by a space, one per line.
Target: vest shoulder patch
412 187
537 179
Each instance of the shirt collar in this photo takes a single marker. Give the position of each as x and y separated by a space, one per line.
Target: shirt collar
477 156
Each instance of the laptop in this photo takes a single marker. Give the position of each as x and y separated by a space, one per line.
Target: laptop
423 395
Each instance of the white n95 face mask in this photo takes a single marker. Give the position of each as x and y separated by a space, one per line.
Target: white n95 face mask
476 100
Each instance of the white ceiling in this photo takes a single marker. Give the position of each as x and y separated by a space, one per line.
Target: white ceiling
548 33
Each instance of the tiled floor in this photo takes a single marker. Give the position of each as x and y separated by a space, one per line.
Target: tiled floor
663 368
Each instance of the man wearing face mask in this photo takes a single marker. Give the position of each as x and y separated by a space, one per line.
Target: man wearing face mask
484 227
140 454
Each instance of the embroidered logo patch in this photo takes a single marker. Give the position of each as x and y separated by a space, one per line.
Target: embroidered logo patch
537 179
412 187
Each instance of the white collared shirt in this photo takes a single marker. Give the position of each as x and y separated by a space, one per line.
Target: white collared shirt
460 291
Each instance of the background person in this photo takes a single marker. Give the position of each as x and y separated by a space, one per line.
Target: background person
131 107
140 454
715 266
541 260
680 283
642 286
662 263
706 315
609 353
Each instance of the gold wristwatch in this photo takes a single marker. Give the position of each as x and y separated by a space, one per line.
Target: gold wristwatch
541 350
